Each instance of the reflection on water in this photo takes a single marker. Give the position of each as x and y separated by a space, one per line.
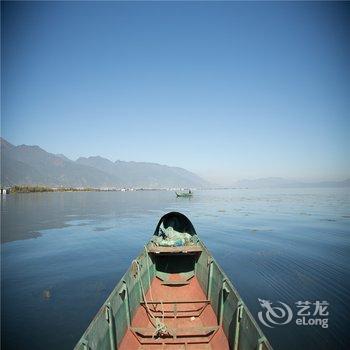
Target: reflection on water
62 254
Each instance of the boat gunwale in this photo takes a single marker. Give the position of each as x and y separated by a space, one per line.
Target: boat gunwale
129 271
240 300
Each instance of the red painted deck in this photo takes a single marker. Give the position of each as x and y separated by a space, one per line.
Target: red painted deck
194 322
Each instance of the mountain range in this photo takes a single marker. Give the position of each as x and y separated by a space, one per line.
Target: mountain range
31 165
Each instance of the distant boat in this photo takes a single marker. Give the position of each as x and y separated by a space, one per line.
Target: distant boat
174 296
184 194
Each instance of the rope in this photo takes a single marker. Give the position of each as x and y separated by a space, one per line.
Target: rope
149 274
159 325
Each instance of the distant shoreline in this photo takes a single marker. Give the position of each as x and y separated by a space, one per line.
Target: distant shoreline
41 189
44 189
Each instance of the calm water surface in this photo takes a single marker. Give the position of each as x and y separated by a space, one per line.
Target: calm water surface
62 254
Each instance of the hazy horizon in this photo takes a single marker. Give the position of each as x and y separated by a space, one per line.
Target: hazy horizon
227 90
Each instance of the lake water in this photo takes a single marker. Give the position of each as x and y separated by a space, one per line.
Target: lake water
62 254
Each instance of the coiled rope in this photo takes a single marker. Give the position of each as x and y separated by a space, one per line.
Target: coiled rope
159 324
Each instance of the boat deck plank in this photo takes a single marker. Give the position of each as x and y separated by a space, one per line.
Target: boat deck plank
182 296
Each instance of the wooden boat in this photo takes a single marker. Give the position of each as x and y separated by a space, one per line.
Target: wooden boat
174 297
183 194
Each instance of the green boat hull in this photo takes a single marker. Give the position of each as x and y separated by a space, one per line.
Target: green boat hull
112 321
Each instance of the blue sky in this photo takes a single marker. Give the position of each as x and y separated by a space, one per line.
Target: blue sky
228 90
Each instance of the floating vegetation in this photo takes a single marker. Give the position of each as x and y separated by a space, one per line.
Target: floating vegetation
34 234
100 229
47 294
29 189
254 230
33 189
